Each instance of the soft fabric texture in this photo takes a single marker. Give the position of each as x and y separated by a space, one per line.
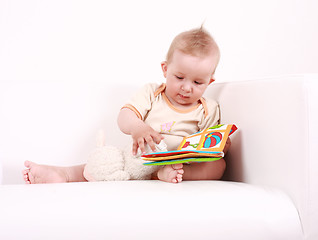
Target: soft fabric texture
109 163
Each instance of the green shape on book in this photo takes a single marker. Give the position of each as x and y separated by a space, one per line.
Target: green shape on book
184 160
216 126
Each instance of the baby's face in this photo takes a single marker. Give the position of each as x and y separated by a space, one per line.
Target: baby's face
187 77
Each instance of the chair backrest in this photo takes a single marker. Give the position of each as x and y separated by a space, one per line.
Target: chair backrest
56 123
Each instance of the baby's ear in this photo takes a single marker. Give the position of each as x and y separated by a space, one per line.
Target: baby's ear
164 67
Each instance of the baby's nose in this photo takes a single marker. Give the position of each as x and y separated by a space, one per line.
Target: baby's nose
186 87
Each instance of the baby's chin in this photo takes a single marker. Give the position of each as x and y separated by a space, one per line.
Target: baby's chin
187 100
185 104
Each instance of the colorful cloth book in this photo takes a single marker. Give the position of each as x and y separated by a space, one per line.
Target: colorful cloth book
203 146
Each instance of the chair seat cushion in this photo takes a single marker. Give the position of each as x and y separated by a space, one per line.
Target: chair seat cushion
147 210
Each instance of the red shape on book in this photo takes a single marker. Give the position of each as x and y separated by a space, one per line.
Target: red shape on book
186 144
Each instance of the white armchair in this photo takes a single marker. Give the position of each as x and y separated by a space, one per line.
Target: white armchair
270 189
278 142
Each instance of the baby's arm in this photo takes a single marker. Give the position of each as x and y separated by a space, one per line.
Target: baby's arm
141 133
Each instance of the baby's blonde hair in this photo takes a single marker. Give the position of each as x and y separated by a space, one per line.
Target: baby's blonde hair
196 42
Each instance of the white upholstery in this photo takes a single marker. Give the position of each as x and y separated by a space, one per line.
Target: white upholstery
273 155
147 210
0 173
278 138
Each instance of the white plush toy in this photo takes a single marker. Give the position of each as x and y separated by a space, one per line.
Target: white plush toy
108 163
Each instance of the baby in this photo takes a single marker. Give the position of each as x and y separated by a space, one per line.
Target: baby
166 112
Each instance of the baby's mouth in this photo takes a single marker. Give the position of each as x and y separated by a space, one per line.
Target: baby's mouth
183 96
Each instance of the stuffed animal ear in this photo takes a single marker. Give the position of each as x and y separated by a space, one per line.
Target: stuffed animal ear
100 139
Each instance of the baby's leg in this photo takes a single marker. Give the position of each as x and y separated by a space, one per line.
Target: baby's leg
205 170
171 173
36 173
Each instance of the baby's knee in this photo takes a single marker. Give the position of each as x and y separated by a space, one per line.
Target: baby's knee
217 169
222 164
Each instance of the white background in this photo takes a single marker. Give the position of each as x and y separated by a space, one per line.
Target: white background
51 48
125 41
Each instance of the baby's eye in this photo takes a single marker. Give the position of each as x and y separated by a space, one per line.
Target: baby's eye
197 83
178 77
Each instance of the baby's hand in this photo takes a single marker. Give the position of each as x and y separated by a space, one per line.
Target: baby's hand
144 134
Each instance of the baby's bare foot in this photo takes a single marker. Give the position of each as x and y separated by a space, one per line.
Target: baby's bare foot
171 173
36 173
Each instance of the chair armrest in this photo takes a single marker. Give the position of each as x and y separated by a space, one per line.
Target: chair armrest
276 144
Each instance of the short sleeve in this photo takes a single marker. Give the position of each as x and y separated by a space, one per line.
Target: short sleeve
142 100
211 116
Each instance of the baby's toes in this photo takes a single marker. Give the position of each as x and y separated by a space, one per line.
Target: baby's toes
179 178
30 178
171 173
177 166
25 174
176 177
180 171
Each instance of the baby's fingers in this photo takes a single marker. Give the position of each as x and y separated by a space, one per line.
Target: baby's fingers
157 137
141 145
134 148
138 144
150 143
